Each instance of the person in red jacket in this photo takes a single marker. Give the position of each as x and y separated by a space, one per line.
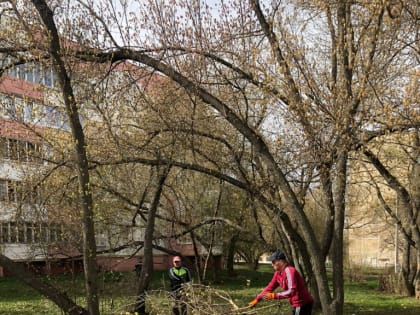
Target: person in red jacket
292 283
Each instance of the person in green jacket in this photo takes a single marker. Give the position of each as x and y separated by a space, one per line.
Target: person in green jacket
178 275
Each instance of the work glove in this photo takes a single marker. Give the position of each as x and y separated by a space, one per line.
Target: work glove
269 296
253 303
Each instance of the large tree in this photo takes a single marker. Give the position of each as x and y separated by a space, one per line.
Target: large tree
297 85
266 61
396 159
54 48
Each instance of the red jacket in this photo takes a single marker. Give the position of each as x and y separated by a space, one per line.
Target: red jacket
293 287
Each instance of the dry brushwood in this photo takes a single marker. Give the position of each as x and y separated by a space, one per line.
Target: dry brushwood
200 300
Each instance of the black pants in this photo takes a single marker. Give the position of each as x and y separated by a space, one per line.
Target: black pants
179 307
303 310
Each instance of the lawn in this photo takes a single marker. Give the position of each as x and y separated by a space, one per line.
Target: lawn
118 291
365 298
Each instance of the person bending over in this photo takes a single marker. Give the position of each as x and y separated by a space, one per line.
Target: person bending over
291 282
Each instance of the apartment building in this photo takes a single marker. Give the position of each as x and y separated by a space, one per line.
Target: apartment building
24 115
371 235
30 232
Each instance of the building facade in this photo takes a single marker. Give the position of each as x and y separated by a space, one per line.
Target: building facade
31 110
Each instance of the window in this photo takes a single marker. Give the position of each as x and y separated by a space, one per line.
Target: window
33 151
45 233
53 234
29 67
34 72
10 107
19 105
36 111
13 149
3 190
28 112
18 108
124 235
37 77
12 72
21 72
3 148
48 77
55 117
4 233
39 232
19 150
4 99
10 190
54 82
1 233
29 233
21 232
36 230
13 232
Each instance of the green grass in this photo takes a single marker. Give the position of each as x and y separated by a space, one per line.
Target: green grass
365 298
19 299
118 290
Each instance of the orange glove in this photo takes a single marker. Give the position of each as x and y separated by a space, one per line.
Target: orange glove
270 296
253 303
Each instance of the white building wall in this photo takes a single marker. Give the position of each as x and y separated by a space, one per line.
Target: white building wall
23 252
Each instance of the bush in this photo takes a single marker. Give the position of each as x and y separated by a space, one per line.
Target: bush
354 273
391 282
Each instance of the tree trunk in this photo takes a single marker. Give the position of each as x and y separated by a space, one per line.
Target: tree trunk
407 286
417 277
416 281
230 257
197 257
89 243
147 268
254 265
409 203
415 178
50 292
338 240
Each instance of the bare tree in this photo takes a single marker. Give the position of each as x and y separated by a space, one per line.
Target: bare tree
71 105
404 209
146 272
298 85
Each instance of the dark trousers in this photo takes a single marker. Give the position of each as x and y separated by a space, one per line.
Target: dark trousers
179 308
303 310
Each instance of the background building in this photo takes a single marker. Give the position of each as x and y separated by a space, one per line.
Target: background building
32 230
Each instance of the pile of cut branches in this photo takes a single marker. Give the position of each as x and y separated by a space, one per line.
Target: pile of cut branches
200 300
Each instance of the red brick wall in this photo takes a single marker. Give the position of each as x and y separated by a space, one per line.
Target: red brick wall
160 262
11 85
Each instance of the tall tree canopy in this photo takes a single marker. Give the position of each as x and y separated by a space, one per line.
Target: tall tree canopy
275 96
